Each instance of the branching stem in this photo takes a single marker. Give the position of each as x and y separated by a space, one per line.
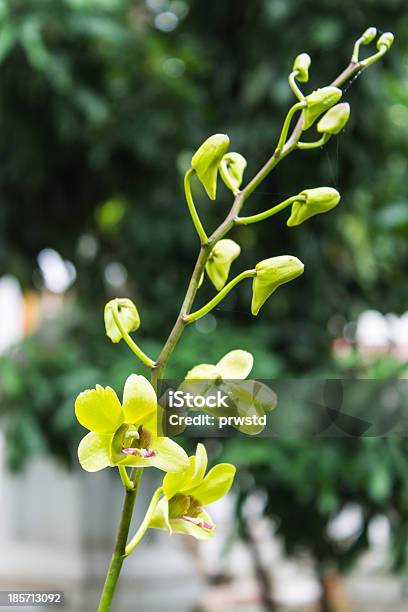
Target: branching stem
129 341
145 523
192 208
285 146
194 316
269 213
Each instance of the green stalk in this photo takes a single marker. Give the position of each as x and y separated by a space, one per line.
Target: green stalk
192 208
315 144
145 523
119 552
127 483
194 316
270 212
294 86
129 341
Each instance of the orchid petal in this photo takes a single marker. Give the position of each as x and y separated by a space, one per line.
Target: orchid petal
93 451
215 485
99 410
139 399
235 365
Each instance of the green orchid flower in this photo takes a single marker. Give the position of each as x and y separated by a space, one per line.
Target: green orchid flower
219 262
315 201
235 365
335 119
124 434
318 102
232 170
270 274
247 398
185 493
207 159
128 315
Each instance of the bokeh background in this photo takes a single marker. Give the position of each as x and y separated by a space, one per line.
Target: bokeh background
102 103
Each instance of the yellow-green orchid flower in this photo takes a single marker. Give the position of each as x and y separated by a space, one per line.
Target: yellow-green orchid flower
270 274
335 119
232 170
235 365
315 201
206 161
124 434
318 102
185 493
219 262
247 397
128 316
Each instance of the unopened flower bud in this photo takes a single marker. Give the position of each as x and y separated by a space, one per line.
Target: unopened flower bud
270 274
335 119
207 159
235 165
385 40
220 260
318 200
128 317
318 102
302 64
368 36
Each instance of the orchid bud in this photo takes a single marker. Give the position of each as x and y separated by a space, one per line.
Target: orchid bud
207 159
385 40
220 260
128 317
232 170
270 274
301 65
368 36
318 102
335 119
318 200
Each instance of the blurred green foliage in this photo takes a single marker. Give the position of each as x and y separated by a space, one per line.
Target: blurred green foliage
102 103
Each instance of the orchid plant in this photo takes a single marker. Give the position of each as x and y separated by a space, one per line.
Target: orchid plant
124 435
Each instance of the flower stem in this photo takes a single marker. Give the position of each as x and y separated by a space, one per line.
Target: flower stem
315 144
192 208
294 86
127 483
270 212
145 523
129 341
120 546
373 58
287 122
220 296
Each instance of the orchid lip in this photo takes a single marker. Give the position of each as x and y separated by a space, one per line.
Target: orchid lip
199 522
141 452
